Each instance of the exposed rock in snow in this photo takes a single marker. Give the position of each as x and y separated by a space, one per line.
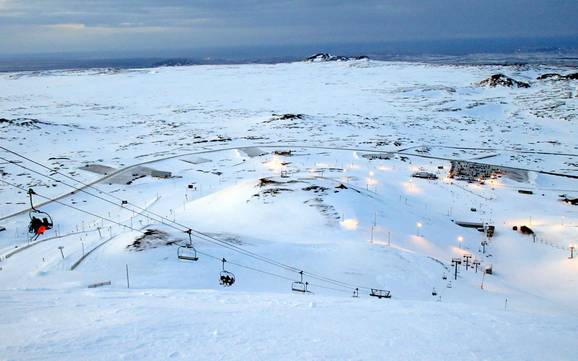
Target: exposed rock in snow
22 122
556 76
320 57
176 62
502 80
152 238
288 116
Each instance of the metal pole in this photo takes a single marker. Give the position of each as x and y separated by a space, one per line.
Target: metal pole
61 253
127 279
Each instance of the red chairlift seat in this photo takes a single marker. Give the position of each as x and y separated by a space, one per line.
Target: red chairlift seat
40 221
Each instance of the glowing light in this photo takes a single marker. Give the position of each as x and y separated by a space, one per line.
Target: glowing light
371 181
418 225
494 183
384 168
275 165
410 187
459 251
351 166
421 243
350 224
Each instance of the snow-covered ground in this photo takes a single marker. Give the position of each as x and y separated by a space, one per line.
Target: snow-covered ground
281 168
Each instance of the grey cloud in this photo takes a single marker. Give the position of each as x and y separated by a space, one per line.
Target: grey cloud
232 22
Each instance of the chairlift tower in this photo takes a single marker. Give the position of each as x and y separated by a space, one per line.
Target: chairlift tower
467 257
476 263
484 244
455 263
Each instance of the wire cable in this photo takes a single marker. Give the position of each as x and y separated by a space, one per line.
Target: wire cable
254 269
163 220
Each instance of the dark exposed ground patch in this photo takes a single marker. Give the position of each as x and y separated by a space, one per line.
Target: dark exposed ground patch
152 238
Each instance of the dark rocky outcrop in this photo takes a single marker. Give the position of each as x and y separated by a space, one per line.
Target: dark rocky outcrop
151 238
176 62
23 122
556 76
322 57
288 116
502 80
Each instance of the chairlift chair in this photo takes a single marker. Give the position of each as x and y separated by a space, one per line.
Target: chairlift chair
355 293
434 292
380 293
188 251
300 286
40 221
226 278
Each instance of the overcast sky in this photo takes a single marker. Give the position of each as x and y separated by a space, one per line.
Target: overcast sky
37 26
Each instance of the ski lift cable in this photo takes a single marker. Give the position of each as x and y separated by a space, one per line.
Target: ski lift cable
202 253
137 230
140 231
246 267
162 220
73 207
272 273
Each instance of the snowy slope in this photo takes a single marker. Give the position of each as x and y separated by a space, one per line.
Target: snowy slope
326 188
